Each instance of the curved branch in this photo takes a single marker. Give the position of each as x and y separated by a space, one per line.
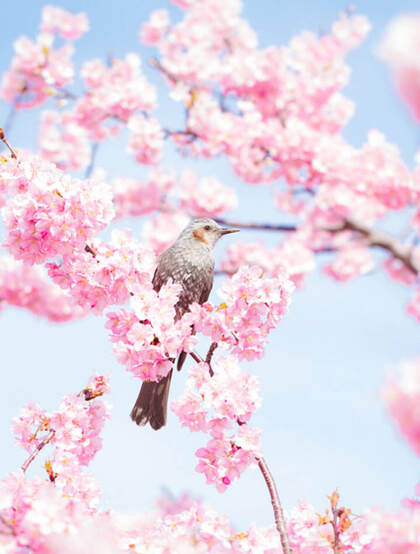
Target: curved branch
379 239
275 501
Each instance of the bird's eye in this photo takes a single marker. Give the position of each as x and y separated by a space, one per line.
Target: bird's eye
207 227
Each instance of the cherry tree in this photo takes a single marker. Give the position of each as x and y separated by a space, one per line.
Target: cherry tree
277 116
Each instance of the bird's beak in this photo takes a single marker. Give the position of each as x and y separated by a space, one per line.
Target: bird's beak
226 231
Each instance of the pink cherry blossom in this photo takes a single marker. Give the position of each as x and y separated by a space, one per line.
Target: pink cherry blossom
63 142
67 25
114 94
106 274
37 69
146 139
402 394
52 214
133 197
28 287
251 307
153 30
205 197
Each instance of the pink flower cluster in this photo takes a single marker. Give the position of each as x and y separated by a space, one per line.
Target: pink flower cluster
112 93
291 256
38 69
50 213
402 396
349 263
59 21
146 140
154 30
251 307
221 405
162 230
206 197
399 46
133 197
63 142
107 273
36 72
74 431
147 339
28 287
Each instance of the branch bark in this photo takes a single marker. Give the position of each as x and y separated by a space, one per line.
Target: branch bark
38 449
372 238
275 501
379 239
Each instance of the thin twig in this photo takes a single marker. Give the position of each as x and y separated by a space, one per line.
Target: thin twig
4 140
210 353
257 226
38 449
10 528
154 62
275 501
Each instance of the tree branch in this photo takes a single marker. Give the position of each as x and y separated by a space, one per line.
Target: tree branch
38 449
257 226
275 501
372 238
382 240
4 140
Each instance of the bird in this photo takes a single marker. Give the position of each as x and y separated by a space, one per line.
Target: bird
189 262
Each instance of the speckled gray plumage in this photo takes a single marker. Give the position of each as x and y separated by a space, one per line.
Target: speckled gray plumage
190 263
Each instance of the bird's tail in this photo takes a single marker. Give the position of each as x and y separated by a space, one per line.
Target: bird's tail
152 403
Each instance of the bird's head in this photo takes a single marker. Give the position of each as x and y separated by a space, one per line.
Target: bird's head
206 231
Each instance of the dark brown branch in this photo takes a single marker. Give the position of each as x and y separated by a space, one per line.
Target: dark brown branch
275 501
4 140
210 353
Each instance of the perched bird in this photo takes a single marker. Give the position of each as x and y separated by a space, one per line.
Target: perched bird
189 262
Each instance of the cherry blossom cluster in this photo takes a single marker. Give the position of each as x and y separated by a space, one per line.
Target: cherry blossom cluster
28 287
221 405
291 256
402 396
38 68
105 273
133 197
398 48
205 197
49 213
146 140
63 142
114 94
147 339
74 432
252 305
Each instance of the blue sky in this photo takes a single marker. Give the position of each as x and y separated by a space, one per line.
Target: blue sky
323 423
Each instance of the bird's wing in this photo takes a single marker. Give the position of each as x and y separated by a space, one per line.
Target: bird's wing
207 286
